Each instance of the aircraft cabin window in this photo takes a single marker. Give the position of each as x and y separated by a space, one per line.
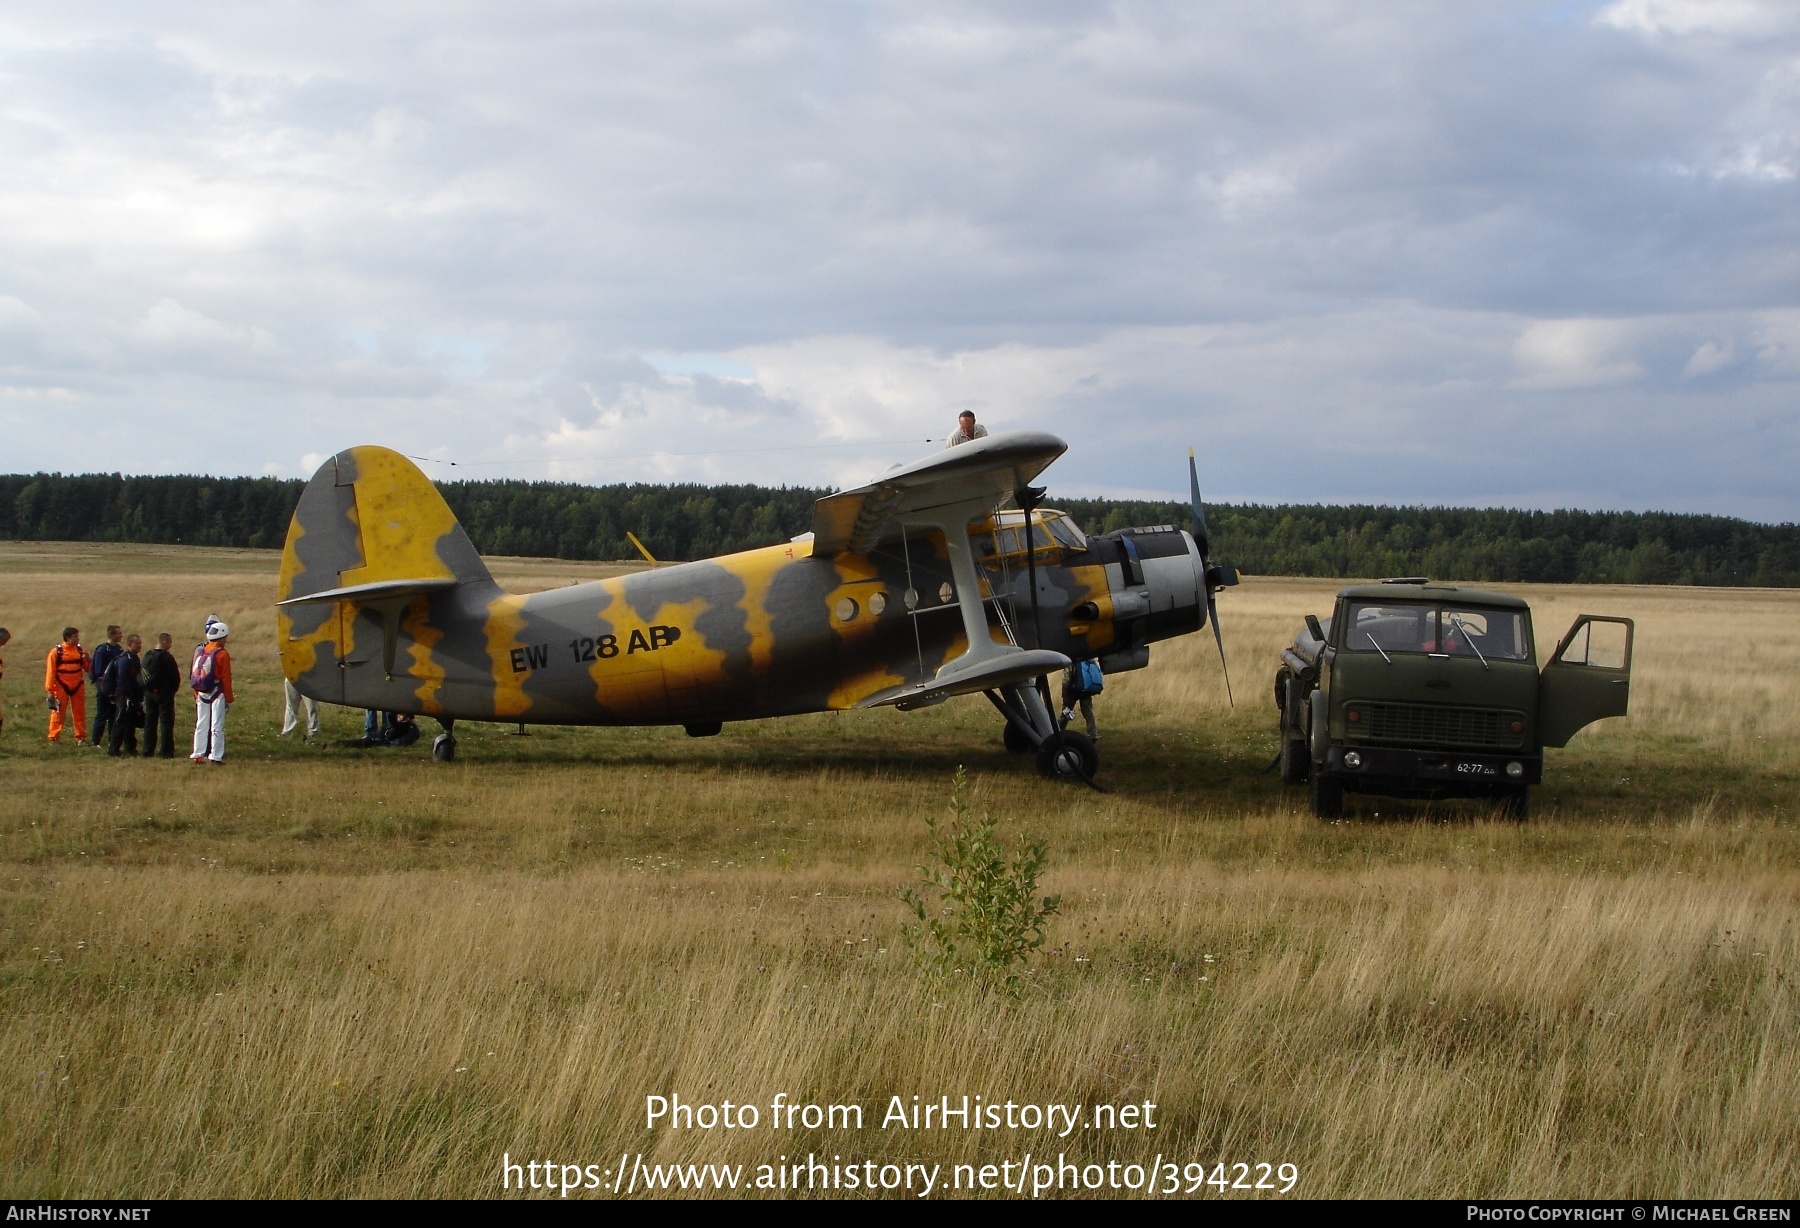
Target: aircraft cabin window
877 604
846 609
946 592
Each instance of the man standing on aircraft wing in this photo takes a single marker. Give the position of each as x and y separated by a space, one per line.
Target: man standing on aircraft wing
966 429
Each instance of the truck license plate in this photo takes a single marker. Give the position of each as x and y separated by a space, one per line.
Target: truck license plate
1476 769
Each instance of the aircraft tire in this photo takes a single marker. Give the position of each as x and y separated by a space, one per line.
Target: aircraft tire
1016 740
1327 796
443 748
1068 756
1296 760
1515 804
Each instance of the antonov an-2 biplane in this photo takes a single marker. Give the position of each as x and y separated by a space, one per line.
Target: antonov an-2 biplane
924 584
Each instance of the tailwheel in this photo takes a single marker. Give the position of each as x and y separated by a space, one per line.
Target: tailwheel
443 748
1068 756
1017 740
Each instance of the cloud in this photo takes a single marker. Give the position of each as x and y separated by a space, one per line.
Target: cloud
1678 18
1553 354
1328 243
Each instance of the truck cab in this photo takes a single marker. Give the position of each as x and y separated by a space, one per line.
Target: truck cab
1415 689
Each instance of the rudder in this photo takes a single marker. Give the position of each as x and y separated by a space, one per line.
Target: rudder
369 521
369 516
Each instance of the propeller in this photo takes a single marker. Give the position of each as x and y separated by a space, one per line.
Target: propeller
1212 574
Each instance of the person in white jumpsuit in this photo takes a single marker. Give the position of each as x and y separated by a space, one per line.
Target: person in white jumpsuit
211 707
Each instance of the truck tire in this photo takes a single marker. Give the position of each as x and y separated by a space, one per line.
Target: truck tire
1296 761
1327 796
1515 803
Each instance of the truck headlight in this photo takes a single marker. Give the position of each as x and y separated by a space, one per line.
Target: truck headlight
1352 759
1515 769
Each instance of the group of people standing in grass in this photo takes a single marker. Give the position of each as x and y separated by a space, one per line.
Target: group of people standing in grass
136 689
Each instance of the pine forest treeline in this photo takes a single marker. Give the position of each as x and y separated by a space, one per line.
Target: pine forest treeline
566 520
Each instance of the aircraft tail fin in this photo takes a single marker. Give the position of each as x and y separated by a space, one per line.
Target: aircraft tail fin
370 526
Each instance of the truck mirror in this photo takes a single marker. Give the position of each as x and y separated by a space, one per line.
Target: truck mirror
1314 629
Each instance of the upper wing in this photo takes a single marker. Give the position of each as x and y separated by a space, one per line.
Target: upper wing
858 520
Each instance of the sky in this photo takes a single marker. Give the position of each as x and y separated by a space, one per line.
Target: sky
1523 254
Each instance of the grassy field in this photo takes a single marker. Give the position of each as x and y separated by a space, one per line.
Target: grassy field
329 972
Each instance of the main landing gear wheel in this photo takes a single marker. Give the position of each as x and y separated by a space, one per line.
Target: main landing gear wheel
1327 796
1068 756
443 748
1017 740
1296 761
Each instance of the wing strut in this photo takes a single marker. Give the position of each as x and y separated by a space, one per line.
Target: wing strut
986 663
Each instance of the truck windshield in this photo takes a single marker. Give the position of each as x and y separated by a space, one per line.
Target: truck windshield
1496 635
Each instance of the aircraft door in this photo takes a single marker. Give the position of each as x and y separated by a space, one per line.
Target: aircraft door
1587 679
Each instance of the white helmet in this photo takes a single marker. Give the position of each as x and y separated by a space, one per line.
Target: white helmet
217 630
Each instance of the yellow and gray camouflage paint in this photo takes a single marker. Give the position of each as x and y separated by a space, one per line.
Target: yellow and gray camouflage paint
767 632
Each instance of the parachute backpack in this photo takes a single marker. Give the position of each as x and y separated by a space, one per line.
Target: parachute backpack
1089 679
201 676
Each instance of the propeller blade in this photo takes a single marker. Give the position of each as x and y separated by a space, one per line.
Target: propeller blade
1202 539
1212 613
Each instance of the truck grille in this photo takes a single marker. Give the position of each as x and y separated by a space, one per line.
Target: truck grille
1420 725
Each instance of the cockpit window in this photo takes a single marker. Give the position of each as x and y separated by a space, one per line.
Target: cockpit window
1494 635
1064 530
1052 534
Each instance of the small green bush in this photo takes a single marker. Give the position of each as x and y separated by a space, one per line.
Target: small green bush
989 919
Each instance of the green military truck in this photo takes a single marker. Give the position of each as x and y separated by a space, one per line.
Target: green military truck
1415 689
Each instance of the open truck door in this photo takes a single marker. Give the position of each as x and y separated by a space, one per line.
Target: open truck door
1587 679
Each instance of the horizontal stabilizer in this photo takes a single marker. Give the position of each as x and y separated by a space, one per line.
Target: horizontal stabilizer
1005 669
379 590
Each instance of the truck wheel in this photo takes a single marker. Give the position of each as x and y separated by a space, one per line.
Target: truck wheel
1068 756
1296 762
1016 740
1327 796
1515 804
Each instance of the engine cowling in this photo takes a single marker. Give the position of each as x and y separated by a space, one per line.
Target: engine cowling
1157 581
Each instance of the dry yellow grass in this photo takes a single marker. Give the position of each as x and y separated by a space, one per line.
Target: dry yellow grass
330 973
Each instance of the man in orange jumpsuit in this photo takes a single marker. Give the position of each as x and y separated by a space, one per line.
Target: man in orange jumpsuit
65 682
